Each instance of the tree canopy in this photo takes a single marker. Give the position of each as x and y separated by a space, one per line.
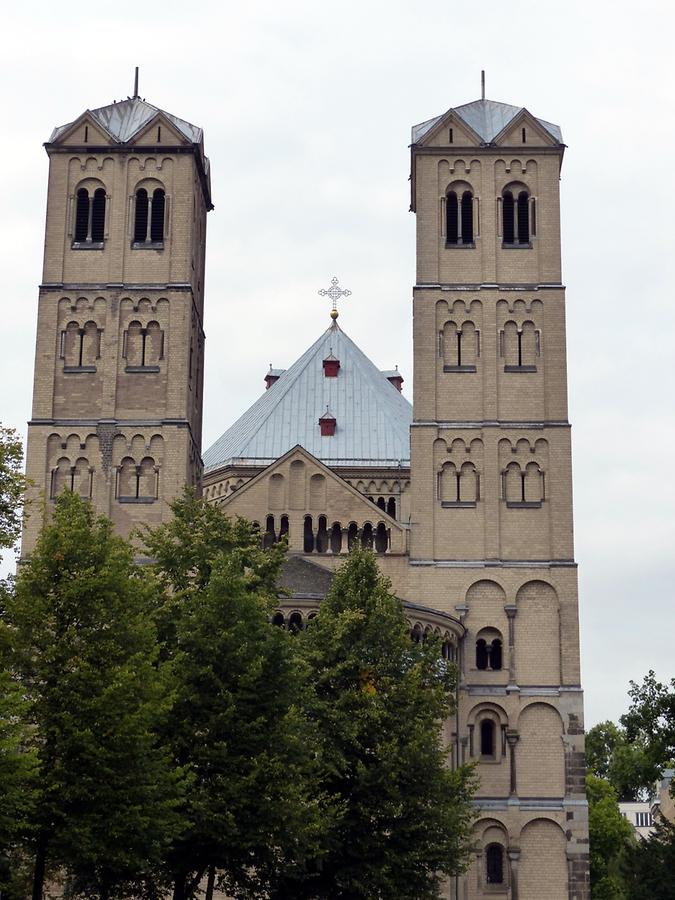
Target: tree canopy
254 809
380 702
84 649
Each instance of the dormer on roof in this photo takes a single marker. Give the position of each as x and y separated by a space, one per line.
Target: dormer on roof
327 424
394 377
272 376
331 365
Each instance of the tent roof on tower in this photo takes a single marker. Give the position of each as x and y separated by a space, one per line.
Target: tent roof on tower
372 417
487 118
125 119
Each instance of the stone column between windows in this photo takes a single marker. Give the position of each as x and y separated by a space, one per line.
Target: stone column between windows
512 738
511 609
514 856
344 540
461 646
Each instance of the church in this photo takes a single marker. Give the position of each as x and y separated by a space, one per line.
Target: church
465 496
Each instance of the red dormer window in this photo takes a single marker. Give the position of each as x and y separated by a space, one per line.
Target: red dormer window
331 366
272 376
397 381
327 424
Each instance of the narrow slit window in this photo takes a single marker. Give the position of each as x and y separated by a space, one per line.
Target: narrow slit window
98 216
452 218
507 218
157 224
141 222
467 218
82 215
523 218
487 738
494 864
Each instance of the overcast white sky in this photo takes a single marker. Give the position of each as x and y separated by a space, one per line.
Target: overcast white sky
307 108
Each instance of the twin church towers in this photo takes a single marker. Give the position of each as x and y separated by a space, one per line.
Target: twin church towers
474 528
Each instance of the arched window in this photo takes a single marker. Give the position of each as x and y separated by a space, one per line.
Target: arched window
336 538
68 477
98 217
141 219
143 346
295 623
391 507
149 216
495 654
488 651
516 226
459 230
367 536
322 535
460 347
89 216
82 216
278 620
523 488
308 535
352 535
382 503
487 737
80 347
137 483
494 864
381 538
519 346
157 219
283 528
270 537
458 487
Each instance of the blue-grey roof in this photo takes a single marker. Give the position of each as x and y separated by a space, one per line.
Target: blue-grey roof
125 119
486 117
373 417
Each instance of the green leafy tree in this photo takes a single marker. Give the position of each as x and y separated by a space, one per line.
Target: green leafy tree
649 864
380 701
254 808
85 648
12 487
610 834
624 762
650 720
17 773
17 757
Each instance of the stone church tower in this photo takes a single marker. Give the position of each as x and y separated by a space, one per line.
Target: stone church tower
491 484
117 404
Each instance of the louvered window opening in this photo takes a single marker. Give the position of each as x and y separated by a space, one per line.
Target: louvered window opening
516 218
459 218
90 216
149 216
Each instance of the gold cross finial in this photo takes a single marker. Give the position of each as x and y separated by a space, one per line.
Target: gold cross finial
334 292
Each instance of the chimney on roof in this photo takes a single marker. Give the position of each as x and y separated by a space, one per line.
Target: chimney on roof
327 424
331 365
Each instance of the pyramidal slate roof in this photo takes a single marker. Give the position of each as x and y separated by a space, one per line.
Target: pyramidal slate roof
486 117
125 119
373 418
